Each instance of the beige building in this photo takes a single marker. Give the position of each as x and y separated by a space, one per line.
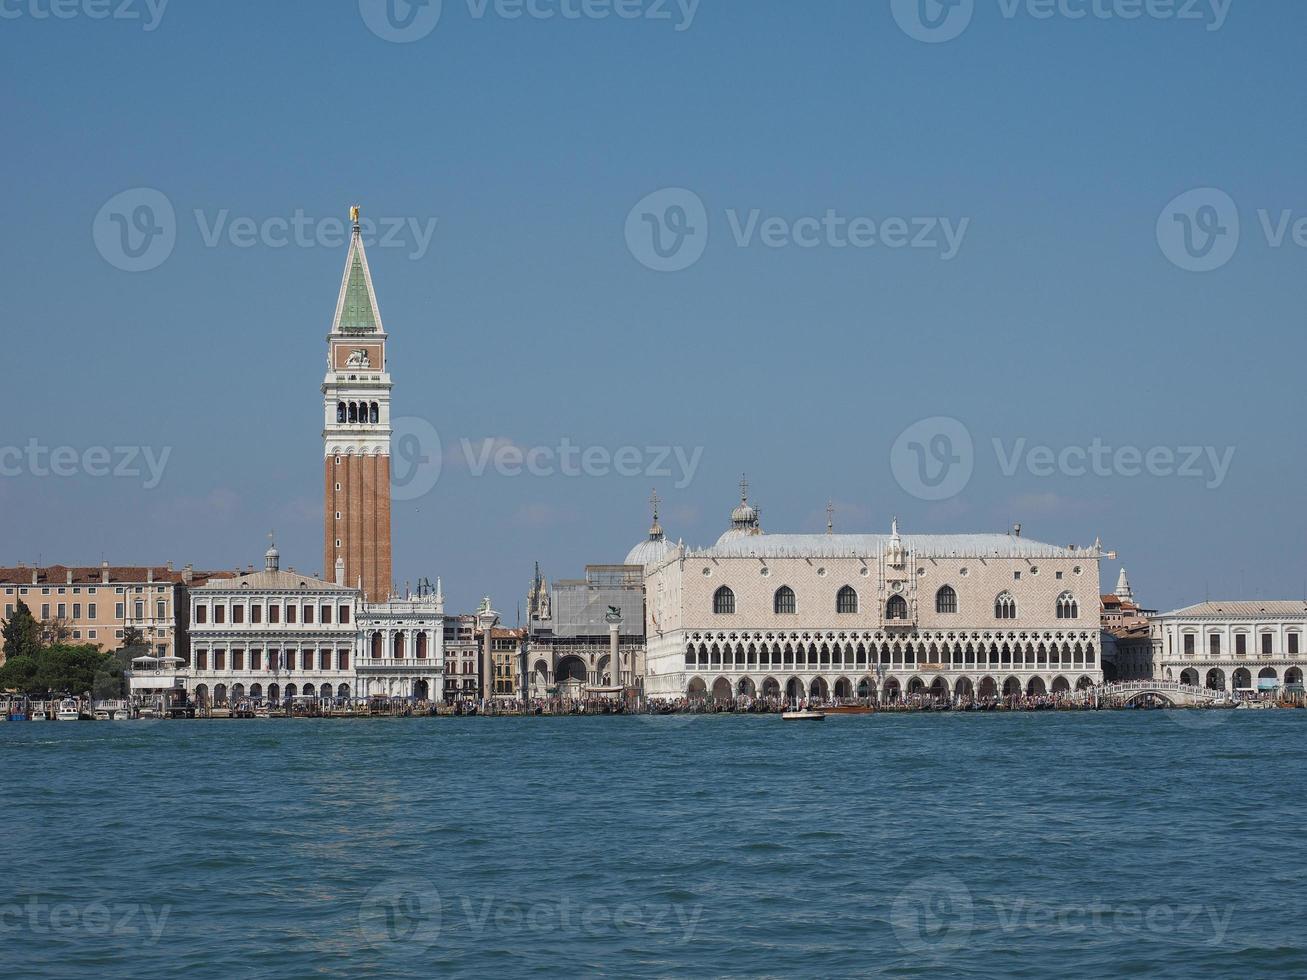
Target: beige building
872 616
462 658
1241 647
97 605
1127 635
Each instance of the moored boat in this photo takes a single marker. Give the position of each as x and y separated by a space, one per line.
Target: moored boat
849 709
68 710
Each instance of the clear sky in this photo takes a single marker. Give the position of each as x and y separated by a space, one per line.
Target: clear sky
1061 312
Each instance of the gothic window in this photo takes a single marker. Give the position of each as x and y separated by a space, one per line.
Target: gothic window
946 600
846 600
723 602
1067 607
896 608
783 604
1005 607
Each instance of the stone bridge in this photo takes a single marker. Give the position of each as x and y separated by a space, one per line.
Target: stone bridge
1172 692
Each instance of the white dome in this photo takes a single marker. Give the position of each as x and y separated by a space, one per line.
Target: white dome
648 552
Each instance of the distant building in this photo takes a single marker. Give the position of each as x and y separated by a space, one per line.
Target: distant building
97 605
505 655
271 636
1127 635
280 634
571 628
1241 647
873 616
462 659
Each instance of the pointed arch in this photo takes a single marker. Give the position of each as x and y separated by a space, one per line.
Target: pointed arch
783 602
1005 606
946 600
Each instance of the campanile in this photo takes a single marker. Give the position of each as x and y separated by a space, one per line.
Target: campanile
356 434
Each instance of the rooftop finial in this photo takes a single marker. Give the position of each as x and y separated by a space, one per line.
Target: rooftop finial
354 216
744 488
655 501
272 557
830 517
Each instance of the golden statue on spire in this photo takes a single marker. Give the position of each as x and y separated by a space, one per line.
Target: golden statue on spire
354 213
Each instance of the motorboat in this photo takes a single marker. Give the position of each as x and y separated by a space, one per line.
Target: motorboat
804 714
68 710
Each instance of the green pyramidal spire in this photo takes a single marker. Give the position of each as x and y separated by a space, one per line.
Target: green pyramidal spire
356 310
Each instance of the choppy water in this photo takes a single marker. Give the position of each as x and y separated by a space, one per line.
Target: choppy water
1112 844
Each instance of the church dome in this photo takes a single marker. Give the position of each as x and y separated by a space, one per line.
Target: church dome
649 552
745 519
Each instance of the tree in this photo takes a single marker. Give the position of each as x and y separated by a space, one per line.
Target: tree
70 668
22 633
54 632
18 674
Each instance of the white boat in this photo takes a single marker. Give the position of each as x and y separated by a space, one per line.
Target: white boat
111 710
38 713
68 711
804 714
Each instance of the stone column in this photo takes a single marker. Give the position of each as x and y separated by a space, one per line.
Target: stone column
614 656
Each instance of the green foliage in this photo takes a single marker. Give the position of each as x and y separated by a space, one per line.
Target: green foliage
59 669
22 633
18 674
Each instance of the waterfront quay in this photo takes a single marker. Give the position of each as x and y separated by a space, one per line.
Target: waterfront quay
1111 697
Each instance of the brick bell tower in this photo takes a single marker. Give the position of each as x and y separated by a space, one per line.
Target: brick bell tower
356 434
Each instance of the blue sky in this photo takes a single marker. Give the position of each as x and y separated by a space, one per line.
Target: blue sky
1062 320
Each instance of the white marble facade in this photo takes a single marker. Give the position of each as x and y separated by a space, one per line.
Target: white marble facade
871 616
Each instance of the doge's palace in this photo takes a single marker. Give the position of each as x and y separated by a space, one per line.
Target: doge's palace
872 616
